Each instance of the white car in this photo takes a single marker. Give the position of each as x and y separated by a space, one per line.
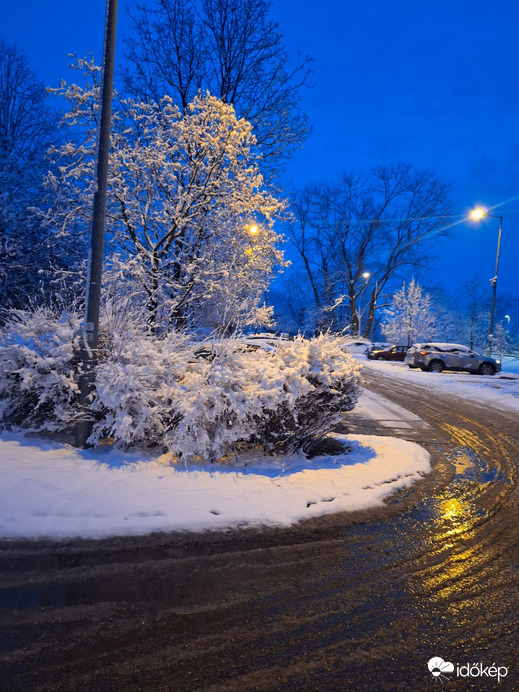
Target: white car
356 345
266 340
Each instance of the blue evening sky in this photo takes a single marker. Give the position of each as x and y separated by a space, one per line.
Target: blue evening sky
430 82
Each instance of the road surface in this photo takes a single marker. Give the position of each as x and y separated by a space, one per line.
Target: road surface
348 602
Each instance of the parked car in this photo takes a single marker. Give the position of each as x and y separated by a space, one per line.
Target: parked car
436 357
356 345
266 340
378 346
394 352
213 348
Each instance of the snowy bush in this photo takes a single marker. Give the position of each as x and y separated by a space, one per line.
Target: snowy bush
283 400
200 401
136 382
39 356
221 399
320 382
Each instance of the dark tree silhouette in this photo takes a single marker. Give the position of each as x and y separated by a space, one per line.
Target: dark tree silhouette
229 48
355 236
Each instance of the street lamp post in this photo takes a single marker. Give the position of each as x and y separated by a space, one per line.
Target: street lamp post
478 214
365 276
95 265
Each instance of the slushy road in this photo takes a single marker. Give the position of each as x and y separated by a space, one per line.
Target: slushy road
349 602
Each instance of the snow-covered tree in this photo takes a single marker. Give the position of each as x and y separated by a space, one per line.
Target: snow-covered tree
184 191
410 317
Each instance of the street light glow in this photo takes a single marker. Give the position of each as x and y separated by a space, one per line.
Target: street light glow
366 275
478 213
253 230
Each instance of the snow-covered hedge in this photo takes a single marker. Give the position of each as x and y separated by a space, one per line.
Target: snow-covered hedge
39 356
320 382
136 386
160 391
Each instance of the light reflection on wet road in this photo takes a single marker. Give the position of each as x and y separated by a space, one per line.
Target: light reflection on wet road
340 603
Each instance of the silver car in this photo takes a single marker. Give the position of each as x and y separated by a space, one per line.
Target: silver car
436 357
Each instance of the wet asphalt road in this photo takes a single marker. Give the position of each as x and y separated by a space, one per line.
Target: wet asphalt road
348 602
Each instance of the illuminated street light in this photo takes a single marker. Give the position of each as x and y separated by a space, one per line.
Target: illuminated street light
253 230
360 312
478 214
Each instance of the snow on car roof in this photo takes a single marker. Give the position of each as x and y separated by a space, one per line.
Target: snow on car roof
438 345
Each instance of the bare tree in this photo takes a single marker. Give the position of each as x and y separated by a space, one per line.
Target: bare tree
357 235
27 127
229 48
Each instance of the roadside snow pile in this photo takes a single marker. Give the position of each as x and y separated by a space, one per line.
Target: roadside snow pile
54 491
153 391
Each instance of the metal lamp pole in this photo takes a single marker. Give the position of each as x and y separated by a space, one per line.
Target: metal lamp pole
95 265
493 282
478 214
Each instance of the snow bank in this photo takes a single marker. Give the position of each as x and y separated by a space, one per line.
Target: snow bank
51 490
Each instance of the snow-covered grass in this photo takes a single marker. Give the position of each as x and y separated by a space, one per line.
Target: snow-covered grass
51 490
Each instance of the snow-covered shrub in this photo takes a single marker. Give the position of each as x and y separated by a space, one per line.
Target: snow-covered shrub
40 365
136 382
39 355
221 398
161 391
282 400
321 381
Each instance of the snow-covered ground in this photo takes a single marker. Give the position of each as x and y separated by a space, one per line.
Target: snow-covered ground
499 391
52 490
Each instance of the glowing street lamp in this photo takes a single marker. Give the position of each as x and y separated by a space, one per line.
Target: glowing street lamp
477 214
253 230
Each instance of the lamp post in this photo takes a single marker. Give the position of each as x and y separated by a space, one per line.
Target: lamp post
95 266
477 214
365 276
